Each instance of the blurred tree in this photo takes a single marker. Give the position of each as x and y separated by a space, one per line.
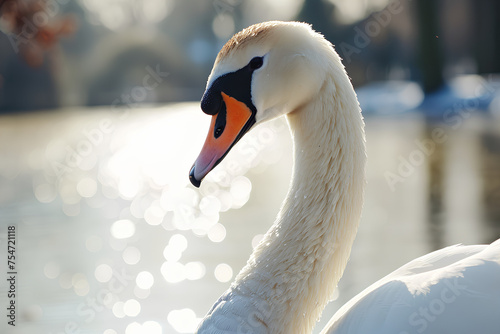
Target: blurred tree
319 13
34 27
430 55
30 31
487 31
431 72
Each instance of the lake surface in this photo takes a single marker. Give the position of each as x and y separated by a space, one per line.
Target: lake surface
112 238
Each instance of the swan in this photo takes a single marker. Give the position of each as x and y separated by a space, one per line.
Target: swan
286 68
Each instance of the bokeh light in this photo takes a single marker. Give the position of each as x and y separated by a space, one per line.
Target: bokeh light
118 309
52 270
109 331
87 187
45 193
151 327
210 205
183 321
223 272
194 270
131 255
122 229
178 242
240 191
148 327
131 308
217 233
80 284
103 273
154 214
144 280
223 26
173 272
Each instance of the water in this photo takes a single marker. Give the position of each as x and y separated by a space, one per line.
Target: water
112 238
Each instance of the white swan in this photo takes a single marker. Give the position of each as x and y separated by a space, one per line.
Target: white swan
279 68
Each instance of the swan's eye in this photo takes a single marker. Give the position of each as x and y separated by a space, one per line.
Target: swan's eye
256 63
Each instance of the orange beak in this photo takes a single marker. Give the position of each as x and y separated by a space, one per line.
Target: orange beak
220 140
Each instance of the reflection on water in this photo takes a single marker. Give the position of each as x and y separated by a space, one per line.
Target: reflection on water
114 239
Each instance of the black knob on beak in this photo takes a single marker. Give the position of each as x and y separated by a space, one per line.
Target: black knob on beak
211 101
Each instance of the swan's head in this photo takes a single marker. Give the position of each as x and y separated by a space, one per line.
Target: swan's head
262 72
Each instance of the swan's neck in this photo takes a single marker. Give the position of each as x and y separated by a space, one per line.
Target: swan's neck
295 269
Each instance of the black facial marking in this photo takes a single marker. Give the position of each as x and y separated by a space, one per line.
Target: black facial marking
236 84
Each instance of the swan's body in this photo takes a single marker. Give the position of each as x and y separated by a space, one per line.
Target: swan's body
452 290
275 69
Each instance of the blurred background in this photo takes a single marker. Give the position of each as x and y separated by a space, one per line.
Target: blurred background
100 123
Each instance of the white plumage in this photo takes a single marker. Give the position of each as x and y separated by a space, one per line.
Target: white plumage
293 272
452 290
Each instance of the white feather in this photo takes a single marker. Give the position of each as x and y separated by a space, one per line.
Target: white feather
452 290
